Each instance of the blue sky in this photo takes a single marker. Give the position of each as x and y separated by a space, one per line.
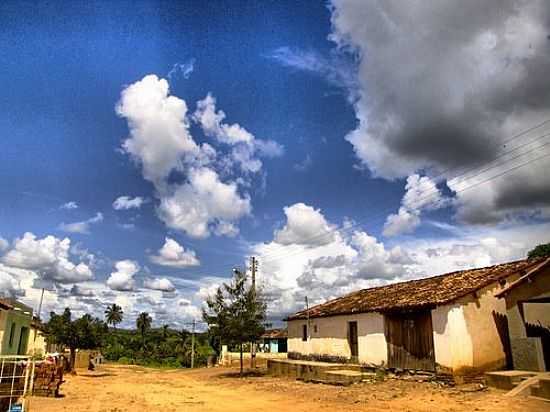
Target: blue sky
369 146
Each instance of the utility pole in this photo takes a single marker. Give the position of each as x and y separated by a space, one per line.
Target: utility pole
307 314
193 345
253 269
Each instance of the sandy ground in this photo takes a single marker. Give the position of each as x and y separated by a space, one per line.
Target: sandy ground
131 388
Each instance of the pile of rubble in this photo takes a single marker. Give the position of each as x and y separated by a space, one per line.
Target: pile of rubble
48 377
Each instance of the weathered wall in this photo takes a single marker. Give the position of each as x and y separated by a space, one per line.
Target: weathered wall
3 320
329 336
527 352
36 346
452 342
488 350
537 313
20 320
465 334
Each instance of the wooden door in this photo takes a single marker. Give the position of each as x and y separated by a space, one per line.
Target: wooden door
353 341
409 337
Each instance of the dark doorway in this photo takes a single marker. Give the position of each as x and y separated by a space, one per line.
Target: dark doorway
410 340
353 341
501 323
23 338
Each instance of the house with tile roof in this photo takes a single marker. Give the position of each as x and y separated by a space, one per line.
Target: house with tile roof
274 341
15 327
451 323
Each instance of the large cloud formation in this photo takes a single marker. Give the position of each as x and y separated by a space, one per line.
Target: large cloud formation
202 189
443 85
49 257
293 267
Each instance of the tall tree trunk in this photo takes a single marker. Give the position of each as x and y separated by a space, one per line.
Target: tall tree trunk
241 353
72 358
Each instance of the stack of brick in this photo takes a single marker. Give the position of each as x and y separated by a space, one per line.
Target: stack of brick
47 379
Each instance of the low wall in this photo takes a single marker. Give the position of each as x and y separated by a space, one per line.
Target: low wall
301 369
234 358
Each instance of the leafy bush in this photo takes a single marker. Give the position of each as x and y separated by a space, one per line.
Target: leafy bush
539 251
158 348
125 361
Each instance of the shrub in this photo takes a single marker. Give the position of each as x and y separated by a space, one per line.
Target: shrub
126 361
539 251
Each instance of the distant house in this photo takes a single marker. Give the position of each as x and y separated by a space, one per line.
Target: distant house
15 326
274 341
451 323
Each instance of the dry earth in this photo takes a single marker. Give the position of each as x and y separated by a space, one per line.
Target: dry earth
132 388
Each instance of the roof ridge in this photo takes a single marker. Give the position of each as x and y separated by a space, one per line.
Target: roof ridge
484 276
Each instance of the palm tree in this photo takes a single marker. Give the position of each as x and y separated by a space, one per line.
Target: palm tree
164 332
182 343
113 315
143 324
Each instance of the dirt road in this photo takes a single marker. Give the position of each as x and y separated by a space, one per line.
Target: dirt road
131 388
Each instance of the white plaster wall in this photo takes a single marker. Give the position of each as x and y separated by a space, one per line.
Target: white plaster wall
3 319
331 337
452 342
488 350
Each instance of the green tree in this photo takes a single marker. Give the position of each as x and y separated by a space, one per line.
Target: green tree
83 333
539 251
236 313
143 324
164 331
113 315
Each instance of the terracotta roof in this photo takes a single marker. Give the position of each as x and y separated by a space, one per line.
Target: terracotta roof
417 294
529 275
275 334
4 304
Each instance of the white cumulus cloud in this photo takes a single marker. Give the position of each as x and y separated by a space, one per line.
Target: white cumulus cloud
122 279
127 202
421 193
208 192
82 227
203 204
159 128
69 205
174 255
162 284
304 226
48 257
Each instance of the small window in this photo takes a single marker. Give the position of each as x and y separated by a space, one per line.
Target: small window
12 333
304 333
315 329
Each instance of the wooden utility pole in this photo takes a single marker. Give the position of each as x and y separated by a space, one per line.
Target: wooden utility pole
307 314
193 345
253 269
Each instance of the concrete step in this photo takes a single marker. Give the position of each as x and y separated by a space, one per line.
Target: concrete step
542 388
344 377
507 380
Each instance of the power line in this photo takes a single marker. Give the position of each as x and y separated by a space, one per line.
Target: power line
274 256
277 255
458 191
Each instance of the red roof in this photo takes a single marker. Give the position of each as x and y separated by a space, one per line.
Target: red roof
417 294
275 334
